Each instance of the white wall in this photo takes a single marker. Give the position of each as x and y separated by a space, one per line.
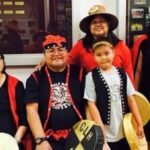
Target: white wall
21 73
79 10
27 61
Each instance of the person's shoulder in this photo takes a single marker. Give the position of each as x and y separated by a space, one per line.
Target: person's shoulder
14 80
122 46
120 70
121 43
10 77
78 43
38 73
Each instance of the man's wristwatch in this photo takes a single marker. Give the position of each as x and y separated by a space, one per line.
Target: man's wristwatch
39 140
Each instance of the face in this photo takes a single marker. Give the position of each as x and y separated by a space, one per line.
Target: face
1 65
103 56
56 58
99 27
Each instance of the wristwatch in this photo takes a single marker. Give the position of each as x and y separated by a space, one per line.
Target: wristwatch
39 140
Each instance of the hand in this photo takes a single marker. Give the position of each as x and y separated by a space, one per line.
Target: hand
44 146
140 131
105 146
40 65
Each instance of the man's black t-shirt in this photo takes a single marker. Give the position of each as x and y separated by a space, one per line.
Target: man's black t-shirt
62 115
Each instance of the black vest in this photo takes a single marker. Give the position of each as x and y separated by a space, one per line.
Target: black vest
103 100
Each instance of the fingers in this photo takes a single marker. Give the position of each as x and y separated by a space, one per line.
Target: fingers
140 134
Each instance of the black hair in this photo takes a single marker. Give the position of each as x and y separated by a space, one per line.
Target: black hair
107 39
3 58
88 40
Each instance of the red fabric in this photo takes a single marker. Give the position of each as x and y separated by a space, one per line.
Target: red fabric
58 134
28 142
135 48
53 39
78 55
12 82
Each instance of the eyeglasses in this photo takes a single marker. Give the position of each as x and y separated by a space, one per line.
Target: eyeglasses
54 49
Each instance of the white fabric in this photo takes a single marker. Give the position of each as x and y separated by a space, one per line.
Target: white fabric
7 142
114 131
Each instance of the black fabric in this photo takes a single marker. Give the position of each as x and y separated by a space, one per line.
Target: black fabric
39 93
144 86
120 145
52 45
103 94
7 124
88 40
145 77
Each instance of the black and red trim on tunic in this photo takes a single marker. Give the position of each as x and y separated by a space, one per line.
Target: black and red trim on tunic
62 133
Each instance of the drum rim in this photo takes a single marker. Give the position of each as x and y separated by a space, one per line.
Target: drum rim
142 102
130 133
101 138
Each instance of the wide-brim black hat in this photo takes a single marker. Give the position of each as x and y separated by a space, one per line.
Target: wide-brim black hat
98 10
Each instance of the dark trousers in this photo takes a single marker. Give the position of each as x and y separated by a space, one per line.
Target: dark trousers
120 145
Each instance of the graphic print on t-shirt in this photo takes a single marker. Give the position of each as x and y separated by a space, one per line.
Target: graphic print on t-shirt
60 97
114 92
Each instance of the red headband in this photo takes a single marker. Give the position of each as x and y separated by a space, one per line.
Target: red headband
53 39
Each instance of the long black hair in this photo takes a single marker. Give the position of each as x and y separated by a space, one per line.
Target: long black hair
88 40
3 58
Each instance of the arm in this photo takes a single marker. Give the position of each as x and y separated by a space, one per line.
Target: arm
135 112
33 117
34 120
21 112
133 107
94 112
95 115
36 125
138 71
87 113
20 133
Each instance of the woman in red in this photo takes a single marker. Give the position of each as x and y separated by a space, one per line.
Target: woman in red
99 23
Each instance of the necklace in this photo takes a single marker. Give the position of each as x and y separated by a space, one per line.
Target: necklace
51 93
